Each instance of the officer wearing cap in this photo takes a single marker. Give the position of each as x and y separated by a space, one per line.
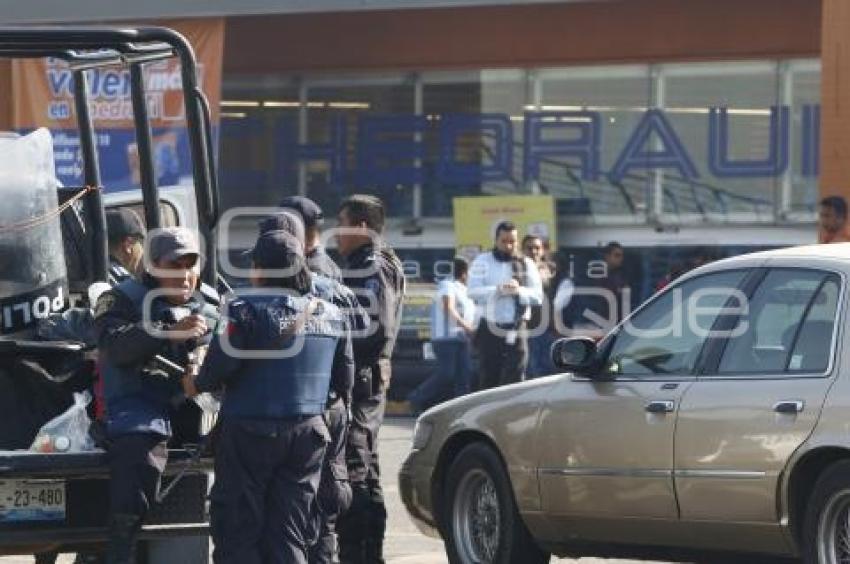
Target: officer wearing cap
275 360
375 273
126 236
313 218
138 324
334 488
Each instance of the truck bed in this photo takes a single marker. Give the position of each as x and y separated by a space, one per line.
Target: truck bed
86 477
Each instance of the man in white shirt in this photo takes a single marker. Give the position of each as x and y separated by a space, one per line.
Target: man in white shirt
503 285
452 318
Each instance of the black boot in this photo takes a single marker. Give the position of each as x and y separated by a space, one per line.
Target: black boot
123 529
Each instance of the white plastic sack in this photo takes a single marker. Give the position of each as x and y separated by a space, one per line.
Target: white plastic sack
68 432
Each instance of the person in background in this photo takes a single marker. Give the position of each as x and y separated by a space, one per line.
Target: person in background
539 343
698 257
313 218
599 298
832 220
563 306
452 319
126 237
503 285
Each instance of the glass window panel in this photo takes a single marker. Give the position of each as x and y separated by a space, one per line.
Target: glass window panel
805 129
663 338
502 92
257 116
620 96
747 90
775 314
353 99
811 352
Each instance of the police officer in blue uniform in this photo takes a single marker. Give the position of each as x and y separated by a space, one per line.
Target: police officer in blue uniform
126 236
141 394
334 488
375 274
275 361
313 218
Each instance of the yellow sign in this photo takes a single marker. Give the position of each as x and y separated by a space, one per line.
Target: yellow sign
476 218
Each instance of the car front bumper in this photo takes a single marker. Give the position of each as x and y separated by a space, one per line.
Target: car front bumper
414 483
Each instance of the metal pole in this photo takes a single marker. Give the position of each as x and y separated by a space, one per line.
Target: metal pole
418 109
202 169
782 204
91 177
150 191
534 97
655 207
303 125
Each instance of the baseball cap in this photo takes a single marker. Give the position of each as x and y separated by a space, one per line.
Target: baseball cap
171 243
123 222
275 249
310 212
284 220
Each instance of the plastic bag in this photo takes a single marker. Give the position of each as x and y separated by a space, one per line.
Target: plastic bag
68 432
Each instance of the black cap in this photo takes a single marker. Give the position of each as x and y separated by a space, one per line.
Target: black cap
172 243
123 222
287 220
275 249
310 212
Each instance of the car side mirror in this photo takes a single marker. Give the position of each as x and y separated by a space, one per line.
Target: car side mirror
577 354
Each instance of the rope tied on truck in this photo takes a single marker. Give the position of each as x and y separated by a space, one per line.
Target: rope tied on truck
48 216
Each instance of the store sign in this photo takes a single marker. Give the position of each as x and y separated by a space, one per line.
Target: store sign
476 218
390 149
43 97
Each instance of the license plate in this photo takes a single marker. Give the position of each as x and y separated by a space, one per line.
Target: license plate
427 351
23 500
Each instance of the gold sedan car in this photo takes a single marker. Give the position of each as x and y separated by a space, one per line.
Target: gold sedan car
716 417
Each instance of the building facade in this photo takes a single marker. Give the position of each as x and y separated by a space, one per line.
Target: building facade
654 122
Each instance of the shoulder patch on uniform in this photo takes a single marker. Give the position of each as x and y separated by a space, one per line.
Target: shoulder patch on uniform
241 311
104 303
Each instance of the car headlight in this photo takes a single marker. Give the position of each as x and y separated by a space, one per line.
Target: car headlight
421 434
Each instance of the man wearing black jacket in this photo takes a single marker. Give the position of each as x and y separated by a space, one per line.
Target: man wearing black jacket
375 274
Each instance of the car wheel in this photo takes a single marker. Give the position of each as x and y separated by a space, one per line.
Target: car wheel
826 533
480 521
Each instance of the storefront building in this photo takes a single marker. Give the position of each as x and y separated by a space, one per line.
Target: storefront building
655 122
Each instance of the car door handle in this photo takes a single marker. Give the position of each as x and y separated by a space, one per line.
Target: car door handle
661 406
789 406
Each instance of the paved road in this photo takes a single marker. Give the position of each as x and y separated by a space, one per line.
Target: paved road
405 545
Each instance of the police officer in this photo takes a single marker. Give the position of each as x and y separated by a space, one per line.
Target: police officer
374 272
135 331
275 360
126 236
313 218
334 488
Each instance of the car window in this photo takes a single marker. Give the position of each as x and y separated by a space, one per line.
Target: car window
791 309
666 337
813 343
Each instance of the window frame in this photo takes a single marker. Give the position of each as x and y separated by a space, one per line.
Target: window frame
709 369
607 343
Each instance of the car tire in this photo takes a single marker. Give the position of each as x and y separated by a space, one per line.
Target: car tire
480 522
828 506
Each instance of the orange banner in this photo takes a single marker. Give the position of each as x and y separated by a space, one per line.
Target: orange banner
43 97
